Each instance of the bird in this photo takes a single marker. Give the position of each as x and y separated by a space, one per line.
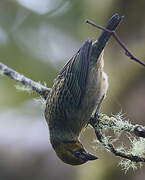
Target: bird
76 97
77 93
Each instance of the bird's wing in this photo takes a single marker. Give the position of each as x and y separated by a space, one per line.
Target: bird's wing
74 75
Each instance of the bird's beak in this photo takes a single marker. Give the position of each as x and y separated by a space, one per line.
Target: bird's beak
90 157
85 156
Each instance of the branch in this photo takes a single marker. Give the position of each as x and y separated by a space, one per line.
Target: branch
116 123
35 86
114 34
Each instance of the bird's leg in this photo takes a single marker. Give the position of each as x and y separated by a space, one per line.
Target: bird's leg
93 120
95 117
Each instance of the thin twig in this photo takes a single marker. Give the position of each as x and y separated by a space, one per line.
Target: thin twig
114 34
35 86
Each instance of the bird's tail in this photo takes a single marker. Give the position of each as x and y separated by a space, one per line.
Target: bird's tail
99 45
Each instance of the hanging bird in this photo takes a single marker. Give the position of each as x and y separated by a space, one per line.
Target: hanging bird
77 92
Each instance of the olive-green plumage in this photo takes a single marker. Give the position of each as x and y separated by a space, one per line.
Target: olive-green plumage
76 93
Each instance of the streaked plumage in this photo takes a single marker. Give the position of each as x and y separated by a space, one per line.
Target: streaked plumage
76 93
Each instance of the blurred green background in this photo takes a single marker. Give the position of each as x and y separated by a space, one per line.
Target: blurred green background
36 38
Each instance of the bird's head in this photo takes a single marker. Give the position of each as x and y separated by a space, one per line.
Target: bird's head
73 153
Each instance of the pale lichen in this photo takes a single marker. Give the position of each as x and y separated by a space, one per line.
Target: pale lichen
131 157
115 123
127 164
23 88
137 147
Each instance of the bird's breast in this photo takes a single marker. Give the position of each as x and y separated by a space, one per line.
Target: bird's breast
76 119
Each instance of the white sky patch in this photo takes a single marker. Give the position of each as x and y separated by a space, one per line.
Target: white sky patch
47 43
40 6
25 124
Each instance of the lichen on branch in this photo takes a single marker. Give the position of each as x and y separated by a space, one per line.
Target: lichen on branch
28 83
136 153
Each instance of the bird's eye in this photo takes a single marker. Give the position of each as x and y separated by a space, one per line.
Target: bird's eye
80 152
77 153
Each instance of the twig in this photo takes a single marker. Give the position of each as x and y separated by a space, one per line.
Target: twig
98 123
114 34
35 86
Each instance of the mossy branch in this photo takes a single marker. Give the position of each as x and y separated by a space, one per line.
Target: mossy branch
34 86
118 125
